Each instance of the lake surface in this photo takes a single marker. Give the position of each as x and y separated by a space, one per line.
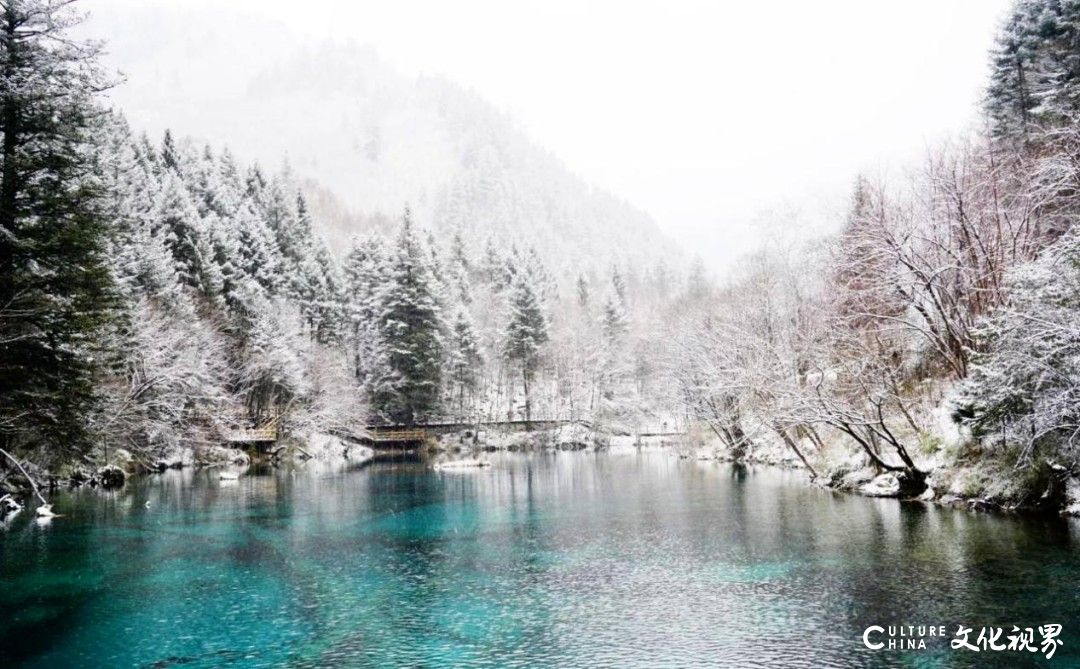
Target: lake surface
562 559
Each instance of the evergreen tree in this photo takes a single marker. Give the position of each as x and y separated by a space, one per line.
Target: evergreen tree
170 158
178 222
410 322
526 335
1035 68
260 257
465 359
458 253
618 284
364 269
582 291
55 288
697 281
1024 388
493 266
330 300
615 323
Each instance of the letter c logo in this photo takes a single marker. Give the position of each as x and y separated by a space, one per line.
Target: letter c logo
866 637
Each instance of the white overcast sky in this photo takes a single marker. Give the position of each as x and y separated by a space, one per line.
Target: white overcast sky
706 114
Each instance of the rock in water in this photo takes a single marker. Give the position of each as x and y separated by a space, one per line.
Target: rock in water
461 464
111 476
45 511
9 504
79 477
886 485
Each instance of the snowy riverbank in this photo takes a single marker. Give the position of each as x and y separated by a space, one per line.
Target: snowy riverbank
979 486
122 464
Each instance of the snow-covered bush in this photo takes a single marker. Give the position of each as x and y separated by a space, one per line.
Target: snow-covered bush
1024 389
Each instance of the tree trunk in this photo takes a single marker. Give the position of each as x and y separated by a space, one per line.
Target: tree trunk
528 404
30 479
794 447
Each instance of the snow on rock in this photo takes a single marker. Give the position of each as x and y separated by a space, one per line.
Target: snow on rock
573 437
320 445
847 476
360 454
45 511
9 504
509 441
885 485
569 437
212 456
1072 497
177 458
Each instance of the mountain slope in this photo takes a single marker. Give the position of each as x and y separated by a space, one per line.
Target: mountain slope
375 139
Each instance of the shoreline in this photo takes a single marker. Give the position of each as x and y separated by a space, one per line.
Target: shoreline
971 504
448 448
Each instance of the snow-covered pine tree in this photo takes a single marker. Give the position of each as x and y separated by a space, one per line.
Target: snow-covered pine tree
364 269
615 323
55 287
170 158
272 374
466 362
526 335
409 322
329 305
1023 392
459 273
260 257
618 284
138 258
583 292
613 363
1035 69
177 222
493 266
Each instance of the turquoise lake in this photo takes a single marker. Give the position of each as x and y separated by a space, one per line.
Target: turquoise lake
628 559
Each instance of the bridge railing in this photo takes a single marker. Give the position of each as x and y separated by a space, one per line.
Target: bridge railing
399 435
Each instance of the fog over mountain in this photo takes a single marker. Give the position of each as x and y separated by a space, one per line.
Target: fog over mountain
369 139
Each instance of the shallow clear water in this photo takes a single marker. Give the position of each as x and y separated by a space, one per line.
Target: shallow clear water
566 559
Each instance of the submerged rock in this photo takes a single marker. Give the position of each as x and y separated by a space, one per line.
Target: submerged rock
471 463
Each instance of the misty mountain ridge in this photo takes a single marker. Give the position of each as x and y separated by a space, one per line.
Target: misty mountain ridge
368 141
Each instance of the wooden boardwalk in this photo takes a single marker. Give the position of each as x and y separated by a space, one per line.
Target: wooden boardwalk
388 437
